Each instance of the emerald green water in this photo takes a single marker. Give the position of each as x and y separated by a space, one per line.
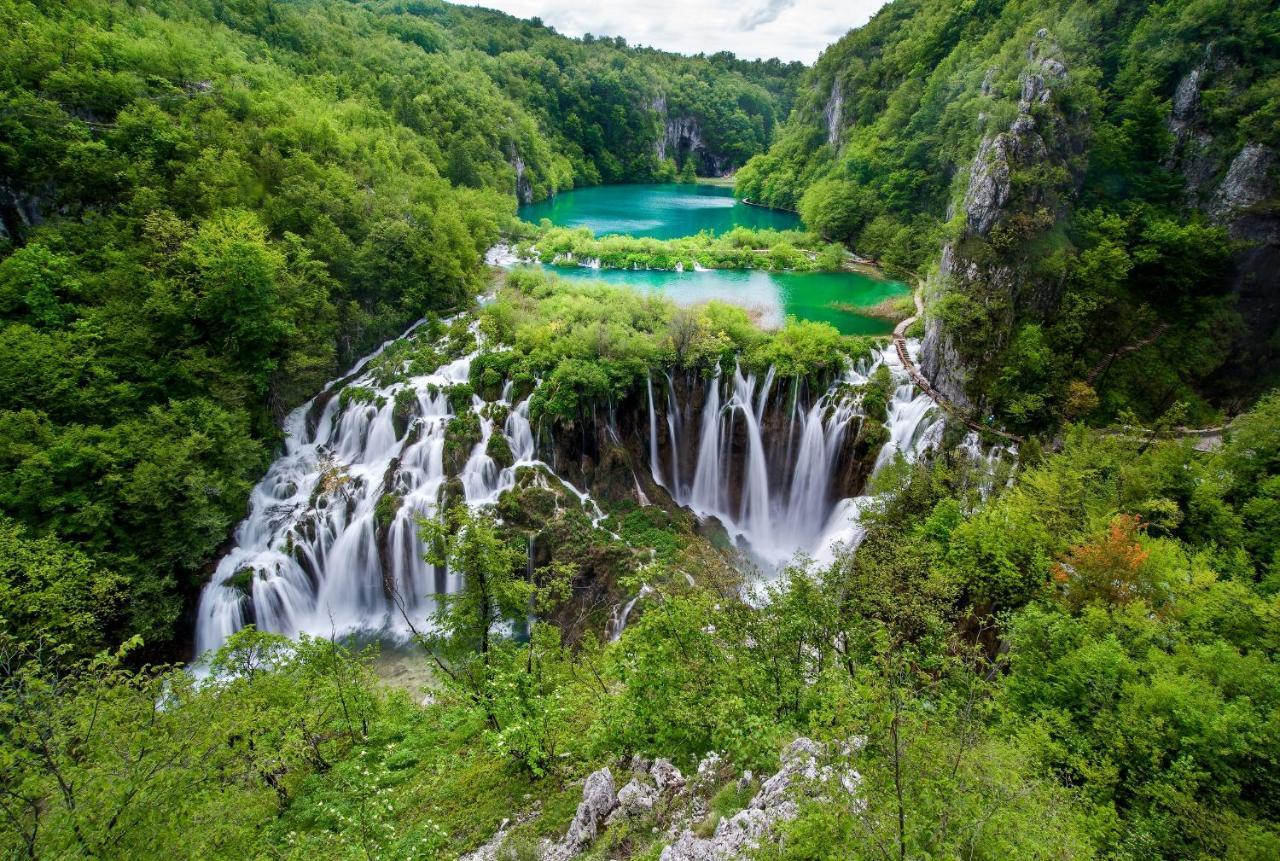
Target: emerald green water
661 211
670 211
770 297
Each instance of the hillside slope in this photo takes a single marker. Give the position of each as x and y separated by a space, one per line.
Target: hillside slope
207 209
1072 177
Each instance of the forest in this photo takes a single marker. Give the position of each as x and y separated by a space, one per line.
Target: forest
213 208
246 315
1116 203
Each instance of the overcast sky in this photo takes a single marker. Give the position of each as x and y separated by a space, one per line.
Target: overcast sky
789 29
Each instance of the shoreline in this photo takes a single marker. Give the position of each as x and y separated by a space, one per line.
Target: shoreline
749 202
504 254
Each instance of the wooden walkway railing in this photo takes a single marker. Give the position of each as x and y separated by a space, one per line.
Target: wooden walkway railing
922 382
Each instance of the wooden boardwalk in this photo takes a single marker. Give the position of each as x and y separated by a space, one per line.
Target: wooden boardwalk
922 382
1207 438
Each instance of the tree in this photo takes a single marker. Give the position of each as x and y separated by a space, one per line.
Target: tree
54 596
836 208
493 595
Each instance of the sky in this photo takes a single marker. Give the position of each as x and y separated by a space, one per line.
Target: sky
787 29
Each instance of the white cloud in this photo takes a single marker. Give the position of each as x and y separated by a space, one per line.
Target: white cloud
766 14
788 29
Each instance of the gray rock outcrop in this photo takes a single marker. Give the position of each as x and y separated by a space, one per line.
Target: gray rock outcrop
833 113
802 773
598 800
1039 134
524 186
1246 184
776 802
635 799
666 776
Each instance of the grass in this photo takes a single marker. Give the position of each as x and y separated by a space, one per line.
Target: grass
895 308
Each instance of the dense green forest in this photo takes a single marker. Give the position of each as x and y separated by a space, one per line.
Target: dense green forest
209 209
1129 713
1063 649
1072 177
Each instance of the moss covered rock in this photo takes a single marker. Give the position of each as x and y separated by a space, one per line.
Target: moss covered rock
461 435
500 450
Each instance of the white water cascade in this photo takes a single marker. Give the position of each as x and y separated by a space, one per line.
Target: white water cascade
308 559
312 555
785 502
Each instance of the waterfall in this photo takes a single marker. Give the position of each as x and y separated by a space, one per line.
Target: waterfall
673 428
911 428
618 616
784 502
915 424
988 464
322 552
308 557
653 432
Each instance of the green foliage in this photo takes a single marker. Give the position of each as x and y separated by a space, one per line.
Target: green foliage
516 688
104 761
591 344
460 397
461 435
739 248
834 208
384 511
358 395
53 595
210 208
500 450
684 693
876 394
1101 236
240 198
1035 673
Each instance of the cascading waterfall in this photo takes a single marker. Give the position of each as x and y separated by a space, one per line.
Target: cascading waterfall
778 513
316 554
989 462
308 557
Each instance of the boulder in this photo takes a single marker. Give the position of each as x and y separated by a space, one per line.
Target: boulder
598 800
1246 184
635 799
666 776
741 835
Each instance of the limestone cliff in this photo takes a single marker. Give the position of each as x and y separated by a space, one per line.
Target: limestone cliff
1020 183
1234 182
681 136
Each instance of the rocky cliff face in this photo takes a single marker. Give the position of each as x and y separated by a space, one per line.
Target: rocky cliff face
657 799
1001 211
682 137
18 212
1237 188
524 185
833 113
608 456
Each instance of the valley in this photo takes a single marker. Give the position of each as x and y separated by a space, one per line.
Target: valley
425 433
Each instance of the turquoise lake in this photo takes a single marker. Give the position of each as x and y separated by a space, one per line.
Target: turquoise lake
661 211
669 211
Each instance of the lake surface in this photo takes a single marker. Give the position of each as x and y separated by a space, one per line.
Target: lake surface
671 211
661 211
770 297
